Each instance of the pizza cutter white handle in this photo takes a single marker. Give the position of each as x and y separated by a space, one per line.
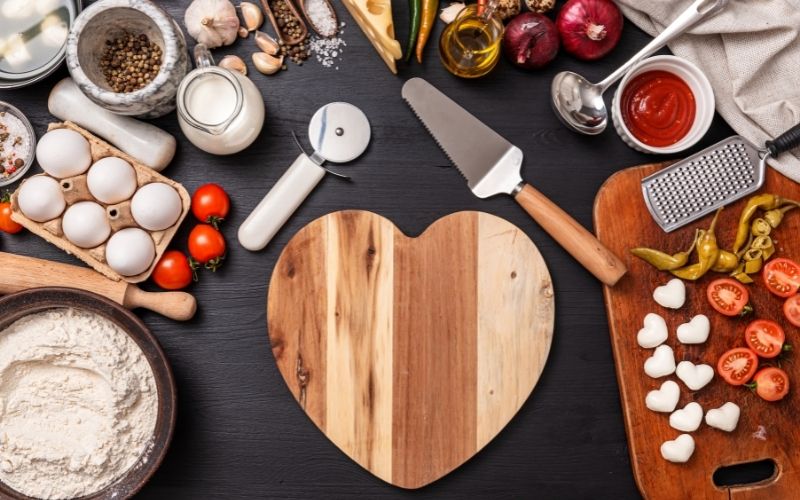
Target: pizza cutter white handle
280 203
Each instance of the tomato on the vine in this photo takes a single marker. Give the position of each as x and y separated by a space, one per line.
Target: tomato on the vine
729 297
771 384
737 366
6 224
765 337
174 271
782 277
207 246
210 204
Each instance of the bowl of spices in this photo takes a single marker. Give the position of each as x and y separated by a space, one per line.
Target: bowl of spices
128 56
17 144
665 104
89 400
33 36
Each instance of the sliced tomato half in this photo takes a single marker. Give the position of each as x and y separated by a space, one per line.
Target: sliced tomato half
737 366
782 277
729 297
765 337
791 309
771 384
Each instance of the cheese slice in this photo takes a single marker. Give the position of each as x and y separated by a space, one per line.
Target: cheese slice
375 19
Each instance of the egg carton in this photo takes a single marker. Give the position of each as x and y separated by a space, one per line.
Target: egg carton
119 214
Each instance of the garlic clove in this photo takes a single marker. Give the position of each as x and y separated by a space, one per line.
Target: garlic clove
234 63
252 15
266 63
449 13
243 32
266 43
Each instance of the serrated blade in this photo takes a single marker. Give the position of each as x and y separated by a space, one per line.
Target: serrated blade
489 162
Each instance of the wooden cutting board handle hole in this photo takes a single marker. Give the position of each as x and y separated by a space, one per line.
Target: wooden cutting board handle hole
748 474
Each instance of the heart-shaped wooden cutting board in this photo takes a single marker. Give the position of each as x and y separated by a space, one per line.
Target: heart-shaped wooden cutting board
410 354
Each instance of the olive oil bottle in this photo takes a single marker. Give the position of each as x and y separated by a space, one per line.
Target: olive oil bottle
470 46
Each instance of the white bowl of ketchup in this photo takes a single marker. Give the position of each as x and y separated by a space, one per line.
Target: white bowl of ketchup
664 105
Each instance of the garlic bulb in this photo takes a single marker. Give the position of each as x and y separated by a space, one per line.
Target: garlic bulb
212 22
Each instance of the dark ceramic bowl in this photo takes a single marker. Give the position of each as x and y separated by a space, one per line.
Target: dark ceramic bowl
15 306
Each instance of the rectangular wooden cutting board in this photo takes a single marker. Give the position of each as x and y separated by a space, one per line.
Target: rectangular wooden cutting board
765 430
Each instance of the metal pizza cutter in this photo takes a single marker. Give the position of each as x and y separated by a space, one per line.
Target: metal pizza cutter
339 132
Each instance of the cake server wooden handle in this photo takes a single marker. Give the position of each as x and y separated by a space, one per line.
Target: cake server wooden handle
575 239
20 273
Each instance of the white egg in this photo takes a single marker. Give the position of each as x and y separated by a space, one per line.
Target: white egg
63 153
111 180
40 198
130 251
156 206
85 224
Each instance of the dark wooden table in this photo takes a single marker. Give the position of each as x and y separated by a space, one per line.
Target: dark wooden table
240 434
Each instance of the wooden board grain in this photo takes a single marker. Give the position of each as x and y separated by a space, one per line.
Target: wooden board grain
622 222
410 354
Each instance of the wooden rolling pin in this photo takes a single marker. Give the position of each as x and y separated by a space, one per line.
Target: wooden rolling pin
22 273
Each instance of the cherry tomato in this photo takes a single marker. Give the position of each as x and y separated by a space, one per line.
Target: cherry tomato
771 384
765 337
782 277
729 297
173 271
791 308
6 224
737 366
210 204
207 246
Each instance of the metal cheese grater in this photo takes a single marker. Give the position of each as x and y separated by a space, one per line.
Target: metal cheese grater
712 178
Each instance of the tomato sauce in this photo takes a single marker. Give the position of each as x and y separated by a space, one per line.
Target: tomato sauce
658 108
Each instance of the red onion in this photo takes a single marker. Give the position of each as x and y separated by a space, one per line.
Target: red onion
530 40
589 29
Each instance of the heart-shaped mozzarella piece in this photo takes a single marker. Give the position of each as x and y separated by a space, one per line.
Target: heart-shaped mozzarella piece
664 399
678 450
688 418
671 295
654 332
725 418
661 363
694 376
695 331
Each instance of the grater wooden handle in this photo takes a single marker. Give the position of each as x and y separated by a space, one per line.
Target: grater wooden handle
575 239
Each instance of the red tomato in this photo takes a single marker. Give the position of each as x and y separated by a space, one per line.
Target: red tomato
6 224
173 271
765 337
737 366
771 384
791 308
207 246
210 204
729 297
782 277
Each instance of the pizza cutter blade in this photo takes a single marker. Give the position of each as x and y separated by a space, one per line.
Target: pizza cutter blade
339 132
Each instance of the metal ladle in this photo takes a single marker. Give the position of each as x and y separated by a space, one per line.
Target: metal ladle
579 103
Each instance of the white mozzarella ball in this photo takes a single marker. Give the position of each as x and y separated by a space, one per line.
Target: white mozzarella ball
85 224
40 198
63 153
130 251
111 180
156 206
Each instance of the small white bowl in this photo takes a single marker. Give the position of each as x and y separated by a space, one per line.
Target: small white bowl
703 97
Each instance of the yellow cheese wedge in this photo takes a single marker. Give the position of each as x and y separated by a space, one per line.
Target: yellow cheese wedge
375 19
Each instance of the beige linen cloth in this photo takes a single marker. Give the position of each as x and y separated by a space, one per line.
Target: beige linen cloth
750 52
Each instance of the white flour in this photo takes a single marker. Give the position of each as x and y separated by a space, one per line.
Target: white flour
78 404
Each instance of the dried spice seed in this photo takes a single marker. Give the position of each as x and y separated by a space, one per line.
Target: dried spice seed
130 62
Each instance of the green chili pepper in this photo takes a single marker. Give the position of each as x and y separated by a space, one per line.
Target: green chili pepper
753 260
664 261
765 244
760 201
707 254
775 216
742 277
726 262
414 7
760 227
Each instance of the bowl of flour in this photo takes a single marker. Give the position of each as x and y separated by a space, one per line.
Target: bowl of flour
87 397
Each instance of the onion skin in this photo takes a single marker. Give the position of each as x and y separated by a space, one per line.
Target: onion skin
589 29
531 41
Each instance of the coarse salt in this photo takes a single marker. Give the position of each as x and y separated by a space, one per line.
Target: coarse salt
328 51
321 16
